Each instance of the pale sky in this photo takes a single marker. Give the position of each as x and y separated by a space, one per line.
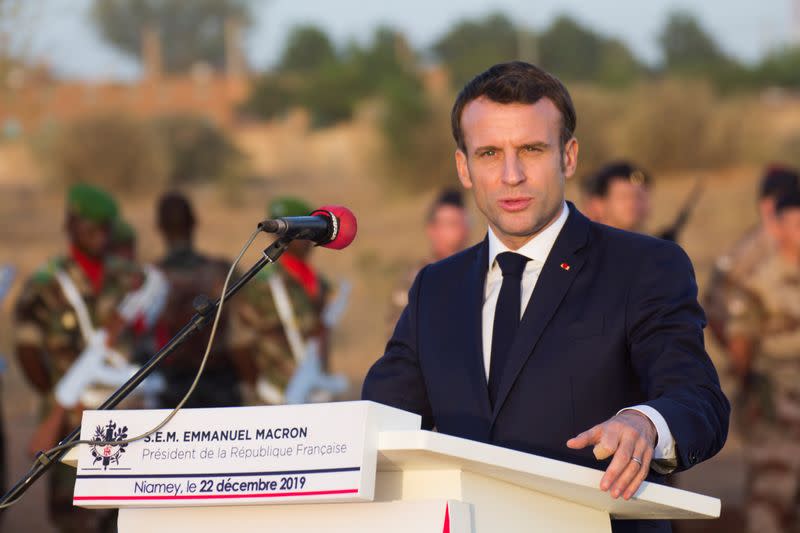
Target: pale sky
744 28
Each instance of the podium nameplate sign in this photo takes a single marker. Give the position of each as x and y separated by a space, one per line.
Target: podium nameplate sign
235 456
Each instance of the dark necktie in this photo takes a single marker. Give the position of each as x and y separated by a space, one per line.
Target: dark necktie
506 317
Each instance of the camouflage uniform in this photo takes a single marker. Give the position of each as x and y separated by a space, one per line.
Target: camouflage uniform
191 274
46 320
257 328
769 315
726 297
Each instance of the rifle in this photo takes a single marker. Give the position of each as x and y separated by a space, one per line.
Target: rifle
671 232
99 364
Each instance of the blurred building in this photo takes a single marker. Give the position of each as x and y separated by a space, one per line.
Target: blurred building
32 98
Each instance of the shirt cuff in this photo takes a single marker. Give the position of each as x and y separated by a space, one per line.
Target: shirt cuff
664 454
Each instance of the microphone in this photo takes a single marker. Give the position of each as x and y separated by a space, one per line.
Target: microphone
330 226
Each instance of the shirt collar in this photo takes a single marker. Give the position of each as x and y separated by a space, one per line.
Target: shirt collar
538 248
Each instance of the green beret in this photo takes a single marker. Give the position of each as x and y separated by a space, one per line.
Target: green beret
122 232
288 206
92 203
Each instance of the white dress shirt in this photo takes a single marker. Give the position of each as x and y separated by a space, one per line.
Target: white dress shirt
537 250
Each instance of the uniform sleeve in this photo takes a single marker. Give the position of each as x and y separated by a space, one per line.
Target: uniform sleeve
745 313
781 345
242 320
30 316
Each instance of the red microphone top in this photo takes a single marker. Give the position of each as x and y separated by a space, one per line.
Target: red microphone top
346 225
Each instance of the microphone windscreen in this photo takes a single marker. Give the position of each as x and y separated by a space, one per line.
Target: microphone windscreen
348 226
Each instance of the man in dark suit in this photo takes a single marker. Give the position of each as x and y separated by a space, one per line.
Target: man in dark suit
555 333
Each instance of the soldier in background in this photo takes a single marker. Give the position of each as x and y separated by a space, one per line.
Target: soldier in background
123 239
277 314
764 348
50 331
618 195
191 274
724 298
123 244
447 230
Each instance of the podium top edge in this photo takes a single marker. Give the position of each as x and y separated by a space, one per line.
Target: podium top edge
515 466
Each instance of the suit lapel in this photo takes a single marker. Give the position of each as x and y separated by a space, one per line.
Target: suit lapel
475 285
561 268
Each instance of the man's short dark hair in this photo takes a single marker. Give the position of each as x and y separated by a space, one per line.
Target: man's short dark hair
447 197
515 82
778 181
596 185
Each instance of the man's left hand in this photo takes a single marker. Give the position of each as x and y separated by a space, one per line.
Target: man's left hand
631 438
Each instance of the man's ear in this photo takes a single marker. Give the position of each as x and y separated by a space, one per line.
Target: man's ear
463 169
570 157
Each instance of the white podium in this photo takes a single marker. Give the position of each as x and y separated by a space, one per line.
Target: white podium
425 482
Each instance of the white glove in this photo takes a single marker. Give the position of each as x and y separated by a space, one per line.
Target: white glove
111 376
268 393
309 378
90 369
148 300
82 372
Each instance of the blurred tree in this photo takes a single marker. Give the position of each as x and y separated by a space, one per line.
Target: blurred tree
308 49
472 46
330 89
618 66
780 68
272 95
190 31
574 52
332 93
566 48
113 150
688 49
388 56
569 50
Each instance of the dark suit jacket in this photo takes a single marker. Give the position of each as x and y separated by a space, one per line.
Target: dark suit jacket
613 322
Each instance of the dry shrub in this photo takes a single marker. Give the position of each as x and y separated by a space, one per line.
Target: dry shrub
416 152
127 155
598 127
114 151
680 124
198 151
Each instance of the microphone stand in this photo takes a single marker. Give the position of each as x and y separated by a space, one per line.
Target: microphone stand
205 313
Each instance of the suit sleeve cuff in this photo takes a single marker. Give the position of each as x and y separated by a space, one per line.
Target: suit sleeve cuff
664 454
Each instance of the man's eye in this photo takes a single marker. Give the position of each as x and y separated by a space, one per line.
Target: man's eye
488 153
532 148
